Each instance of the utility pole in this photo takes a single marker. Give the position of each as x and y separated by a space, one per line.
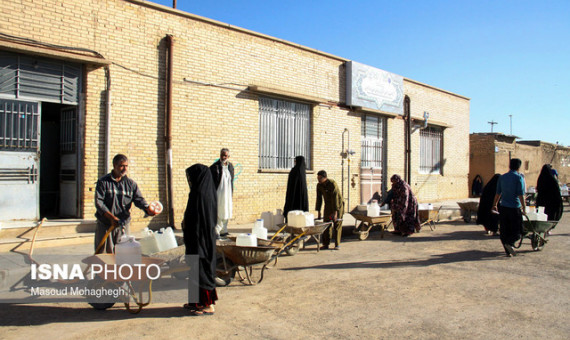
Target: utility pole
492 123
511 123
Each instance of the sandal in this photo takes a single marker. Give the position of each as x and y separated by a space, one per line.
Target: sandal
191 306
196 312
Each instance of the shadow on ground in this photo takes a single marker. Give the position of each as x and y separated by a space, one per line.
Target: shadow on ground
462 256
29 315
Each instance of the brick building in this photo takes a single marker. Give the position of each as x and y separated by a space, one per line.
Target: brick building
99 78
490 154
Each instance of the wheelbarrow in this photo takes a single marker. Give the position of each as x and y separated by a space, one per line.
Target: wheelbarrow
367 222
237 259
171 262
294 237
131 286
467 209
536 231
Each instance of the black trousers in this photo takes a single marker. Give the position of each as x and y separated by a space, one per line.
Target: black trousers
511 226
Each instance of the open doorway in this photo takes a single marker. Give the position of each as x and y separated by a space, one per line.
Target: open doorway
58 161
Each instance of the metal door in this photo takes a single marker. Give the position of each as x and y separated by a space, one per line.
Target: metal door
19 160
68 165
372 158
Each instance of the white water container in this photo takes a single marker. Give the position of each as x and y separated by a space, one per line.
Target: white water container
128 251
373 210
299 219
292 217
308 219
259 230
278 219
267 218
540 210
170 239
166 239
246 240
149 244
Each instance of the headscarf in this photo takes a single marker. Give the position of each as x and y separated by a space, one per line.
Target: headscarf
296 197
405 206
200 220
484 216
548 194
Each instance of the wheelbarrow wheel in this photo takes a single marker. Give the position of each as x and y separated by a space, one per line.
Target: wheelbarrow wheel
537 242
294 248
99 303
467 217
224 275
363 235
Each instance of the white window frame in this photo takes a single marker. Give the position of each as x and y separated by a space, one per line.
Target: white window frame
372 146
284 133
431 150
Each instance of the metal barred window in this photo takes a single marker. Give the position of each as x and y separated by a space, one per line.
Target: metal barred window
431 147
372 141
19 125
67 132
284 133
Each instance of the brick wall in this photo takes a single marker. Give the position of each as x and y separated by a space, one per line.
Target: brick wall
453 110
212 108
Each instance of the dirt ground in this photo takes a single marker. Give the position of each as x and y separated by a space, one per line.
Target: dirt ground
450 283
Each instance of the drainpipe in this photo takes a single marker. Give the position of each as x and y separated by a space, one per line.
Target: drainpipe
168 129
408 119
107 120
346 154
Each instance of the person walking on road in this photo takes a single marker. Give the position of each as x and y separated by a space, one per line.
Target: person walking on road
485 216
548 194
328 190
510 196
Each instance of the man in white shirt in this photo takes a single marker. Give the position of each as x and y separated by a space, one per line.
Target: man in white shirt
223 175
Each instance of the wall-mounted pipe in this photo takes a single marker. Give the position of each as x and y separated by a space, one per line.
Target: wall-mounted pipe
168 129
346 154
107 120
408 121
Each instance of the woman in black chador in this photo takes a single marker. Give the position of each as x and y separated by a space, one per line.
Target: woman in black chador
548 194
297 197
199 225
484 215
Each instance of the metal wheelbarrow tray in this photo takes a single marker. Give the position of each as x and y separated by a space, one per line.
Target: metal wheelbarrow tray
467 209
235 259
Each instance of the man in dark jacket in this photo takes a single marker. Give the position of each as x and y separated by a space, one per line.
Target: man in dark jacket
223 176
114 195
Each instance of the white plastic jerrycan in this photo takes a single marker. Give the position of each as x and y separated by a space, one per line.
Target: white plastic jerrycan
128 251
166 239
149 243
259 230
246 240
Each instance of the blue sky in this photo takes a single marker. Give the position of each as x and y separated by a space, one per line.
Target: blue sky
510 57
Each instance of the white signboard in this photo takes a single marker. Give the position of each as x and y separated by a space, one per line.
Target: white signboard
374 88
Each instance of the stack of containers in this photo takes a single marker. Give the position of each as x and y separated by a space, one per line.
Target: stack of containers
536 214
